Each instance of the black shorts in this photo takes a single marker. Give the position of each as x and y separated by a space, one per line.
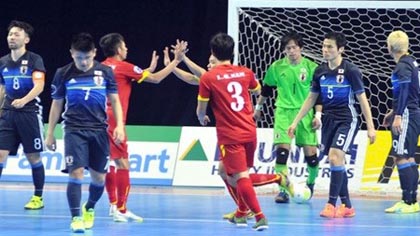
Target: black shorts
405 144
338 133
24 128
86 148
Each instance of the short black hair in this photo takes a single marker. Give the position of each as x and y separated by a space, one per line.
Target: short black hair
340 38
289 36
109 44
82 42
29 30
222 46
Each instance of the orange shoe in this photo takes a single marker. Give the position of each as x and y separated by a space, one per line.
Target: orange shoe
328 211
343 211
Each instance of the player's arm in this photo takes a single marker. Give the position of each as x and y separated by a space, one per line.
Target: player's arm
118 134
306 106
181 74
367 114
2 94
153 62
316 122
266 92
38 78
53 117
193 67
202 111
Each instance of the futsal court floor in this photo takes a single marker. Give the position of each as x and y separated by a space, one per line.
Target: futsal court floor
173 211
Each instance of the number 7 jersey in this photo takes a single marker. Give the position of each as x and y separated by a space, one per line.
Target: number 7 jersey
226 88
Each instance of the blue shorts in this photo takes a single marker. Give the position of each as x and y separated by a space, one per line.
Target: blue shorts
338 133
24 128
86 148
405 144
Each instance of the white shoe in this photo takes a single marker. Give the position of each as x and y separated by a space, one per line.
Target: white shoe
112 209
127 216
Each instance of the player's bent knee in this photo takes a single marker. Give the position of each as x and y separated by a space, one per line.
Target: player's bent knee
281 156
312 160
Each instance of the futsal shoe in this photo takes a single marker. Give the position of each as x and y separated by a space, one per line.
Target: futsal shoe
328 211
230 215
311 187
127 216
77 225
403 208
261 225
344 212
35 203
238 221
112 209
282 197
88 216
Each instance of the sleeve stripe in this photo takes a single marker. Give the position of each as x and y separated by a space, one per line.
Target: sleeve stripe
145 74
199 98
256 88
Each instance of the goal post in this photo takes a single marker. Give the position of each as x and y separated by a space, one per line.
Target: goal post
258 25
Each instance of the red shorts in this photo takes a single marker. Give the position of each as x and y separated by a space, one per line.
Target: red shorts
238 157
120 150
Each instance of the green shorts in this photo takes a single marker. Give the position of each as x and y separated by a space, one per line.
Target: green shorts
304 135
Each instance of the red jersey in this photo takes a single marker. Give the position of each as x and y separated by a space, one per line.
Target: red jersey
226 87
125 74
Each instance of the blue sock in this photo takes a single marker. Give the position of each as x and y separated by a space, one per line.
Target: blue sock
95 193
74 196
406 181
344 192
336 181
38 177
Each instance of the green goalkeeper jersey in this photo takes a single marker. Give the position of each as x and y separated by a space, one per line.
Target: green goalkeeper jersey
293 82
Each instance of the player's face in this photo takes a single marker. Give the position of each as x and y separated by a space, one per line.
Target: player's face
123 50
293 51
17 38
212 62
329 50
83 60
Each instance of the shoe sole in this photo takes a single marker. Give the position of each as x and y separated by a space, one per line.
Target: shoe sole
28 208
261 228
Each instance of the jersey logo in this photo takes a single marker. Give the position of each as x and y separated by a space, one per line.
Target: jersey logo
302 75
24 62
99 80
97 72
72 81
137 70
23 69
323 77
5 70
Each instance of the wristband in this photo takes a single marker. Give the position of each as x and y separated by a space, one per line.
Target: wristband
258 107
318 115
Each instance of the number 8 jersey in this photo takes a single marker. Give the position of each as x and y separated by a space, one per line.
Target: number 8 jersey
226 88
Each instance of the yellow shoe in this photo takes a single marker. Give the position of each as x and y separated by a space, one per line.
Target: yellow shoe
394 208
406 209
77 225
417 207
35 203
230 215
88 216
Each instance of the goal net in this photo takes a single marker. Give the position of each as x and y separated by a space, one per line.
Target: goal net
257 27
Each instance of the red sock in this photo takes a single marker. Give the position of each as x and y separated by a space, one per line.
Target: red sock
263 179
247 192
242 207
123 188
110 185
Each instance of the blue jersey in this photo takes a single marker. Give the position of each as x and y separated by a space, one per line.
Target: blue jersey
16 76
405 86
337 88
85 93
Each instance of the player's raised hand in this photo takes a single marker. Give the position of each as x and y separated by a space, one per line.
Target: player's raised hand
166 58
51 143
153 62
291 130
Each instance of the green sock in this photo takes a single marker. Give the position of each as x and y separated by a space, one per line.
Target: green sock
312 174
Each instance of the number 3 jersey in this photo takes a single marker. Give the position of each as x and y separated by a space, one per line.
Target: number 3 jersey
17 77
226 87
85 94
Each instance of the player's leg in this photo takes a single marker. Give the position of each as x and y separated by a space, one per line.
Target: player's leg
30 130
76 161
98 165
306 137
110 178
8 137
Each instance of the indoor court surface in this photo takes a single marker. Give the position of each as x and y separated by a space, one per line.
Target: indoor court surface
192 211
